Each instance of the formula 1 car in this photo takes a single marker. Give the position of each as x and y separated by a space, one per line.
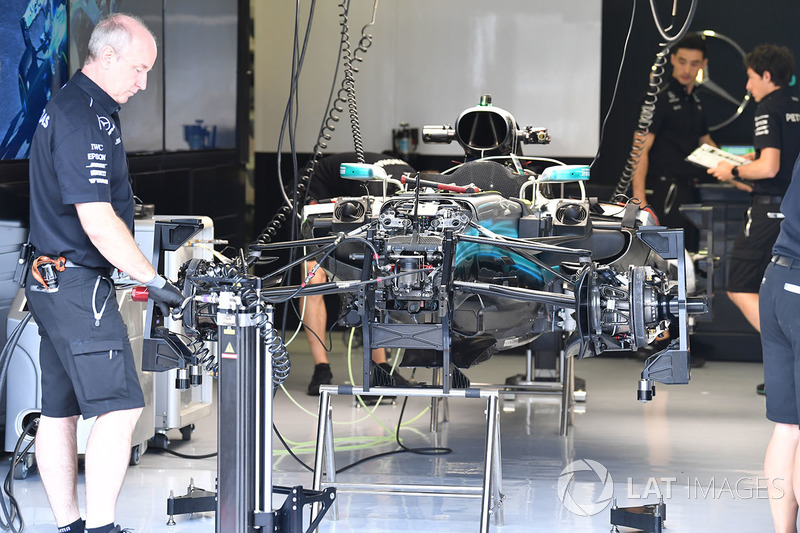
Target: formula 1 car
485 258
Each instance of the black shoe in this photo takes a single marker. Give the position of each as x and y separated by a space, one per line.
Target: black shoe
119 529
399 381
322 376
760 389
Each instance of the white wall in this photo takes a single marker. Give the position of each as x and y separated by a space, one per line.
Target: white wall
430 60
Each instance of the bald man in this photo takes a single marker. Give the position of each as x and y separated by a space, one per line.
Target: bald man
82 218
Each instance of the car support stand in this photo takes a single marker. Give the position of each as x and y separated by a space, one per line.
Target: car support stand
489 493
243 502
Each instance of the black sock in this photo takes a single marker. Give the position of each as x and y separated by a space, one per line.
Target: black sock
102 529
75 527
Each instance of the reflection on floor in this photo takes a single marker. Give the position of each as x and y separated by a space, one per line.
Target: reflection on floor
700 446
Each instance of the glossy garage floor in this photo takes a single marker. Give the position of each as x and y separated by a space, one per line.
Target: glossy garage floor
700 446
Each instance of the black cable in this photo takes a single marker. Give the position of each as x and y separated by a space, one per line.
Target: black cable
11 511
187 456
327 249
292 107
428 450
616 84
293 111
433 450
369 458
648 107
273 345
349 86
325 288
289 449
330 117
298 57
329 336
301 185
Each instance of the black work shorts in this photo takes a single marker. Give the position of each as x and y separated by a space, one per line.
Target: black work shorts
86 363
752 249
779 301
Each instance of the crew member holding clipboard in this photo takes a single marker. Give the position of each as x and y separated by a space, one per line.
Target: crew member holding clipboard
776 138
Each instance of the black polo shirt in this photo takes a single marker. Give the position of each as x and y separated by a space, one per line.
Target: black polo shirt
77 156
326 182
788 242
678 123
777 125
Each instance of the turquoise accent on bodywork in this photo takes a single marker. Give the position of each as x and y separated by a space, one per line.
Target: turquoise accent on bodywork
472 255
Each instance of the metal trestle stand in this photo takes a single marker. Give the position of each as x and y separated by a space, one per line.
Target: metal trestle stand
489 492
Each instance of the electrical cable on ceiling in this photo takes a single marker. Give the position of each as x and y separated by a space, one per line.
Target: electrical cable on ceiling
328 126
289 121
350 83
616 83
643 124
292 110
648 107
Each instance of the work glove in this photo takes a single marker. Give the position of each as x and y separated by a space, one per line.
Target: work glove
164 294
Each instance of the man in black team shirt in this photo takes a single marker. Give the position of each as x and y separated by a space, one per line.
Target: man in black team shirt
81 224
776 138
678 127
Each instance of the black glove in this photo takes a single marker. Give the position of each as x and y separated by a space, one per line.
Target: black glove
164 294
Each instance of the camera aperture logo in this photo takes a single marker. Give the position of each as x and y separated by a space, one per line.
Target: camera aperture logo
582 497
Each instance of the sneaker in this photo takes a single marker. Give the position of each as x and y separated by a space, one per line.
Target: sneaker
120 529
322 376
760 389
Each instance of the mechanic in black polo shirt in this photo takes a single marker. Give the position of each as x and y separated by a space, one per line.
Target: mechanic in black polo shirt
81 227
678 127
776 138
780 342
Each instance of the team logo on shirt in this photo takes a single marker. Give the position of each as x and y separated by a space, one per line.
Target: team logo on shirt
761 125
97 164
106 124
672 97
44 120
